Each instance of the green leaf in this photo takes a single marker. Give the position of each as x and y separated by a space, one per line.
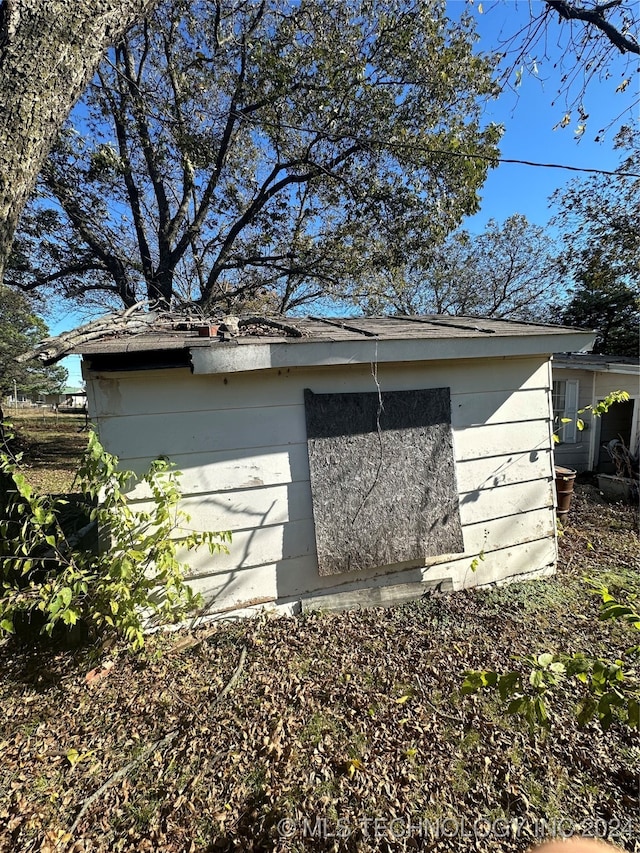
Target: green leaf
508 684
536 678
70 617
541 711
73 756
604 711
113 590
517 706
614 610
472 682
586 710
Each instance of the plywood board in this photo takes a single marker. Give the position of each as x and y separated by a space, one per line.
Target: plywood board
382 478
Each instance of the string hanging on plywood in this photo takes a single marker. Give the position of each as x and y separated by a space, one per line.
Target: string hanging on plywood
374 373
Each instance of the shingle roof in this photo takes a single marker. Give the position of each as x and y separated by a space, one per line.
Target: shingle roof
584 359
137 331
161 337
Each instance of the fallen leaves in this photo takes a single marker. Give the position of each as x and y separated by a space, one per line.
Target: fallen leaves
211 738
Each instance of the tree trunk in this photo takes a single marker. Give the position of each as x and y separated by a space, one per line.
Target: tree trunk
49 50
160 287
5 481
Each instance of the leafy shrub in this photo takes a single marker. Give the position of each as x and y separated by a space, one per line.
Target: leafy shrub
611 687
48 573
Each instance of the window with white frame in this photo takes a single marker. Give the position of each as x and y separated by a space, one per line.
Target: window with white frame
565 409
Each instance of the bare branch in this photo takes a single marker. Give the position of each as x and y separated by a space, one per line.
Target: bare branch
595 16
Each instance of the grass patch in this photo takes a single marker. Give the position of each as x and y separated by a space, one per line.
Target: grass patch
52 445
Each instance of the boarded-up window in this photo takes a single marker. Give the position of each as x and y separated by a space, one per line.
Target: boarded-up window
382 478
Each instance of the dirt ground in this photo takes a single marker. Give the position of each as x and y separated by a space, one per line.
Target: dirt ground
344 732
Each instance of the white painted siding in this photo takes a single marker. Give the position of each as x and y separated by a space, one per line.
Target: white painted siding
606 382
240 441
594 385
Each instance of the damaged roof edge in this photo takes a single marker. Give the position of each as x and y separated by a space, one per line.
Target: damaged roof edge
597 363
261 356
256 343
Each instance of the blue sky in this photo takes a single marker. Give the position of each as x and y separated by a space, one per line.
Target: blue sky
529 117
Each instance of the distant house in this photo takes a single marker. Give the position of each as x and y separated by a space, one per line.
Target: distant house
21 399
356 461
68 398
580 379
26 399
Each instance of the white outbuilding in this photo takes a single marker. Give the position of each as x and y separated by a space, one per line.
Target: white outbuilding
579 380
356 461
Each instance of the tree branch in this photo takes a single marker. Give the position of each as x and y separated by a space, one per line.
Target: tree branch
148 149
118 113
81 221
595 16
72 269
187 166
265 194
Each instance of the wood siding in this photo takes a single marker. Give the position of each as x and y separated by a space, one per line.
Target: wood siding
240 441
606 382
594 385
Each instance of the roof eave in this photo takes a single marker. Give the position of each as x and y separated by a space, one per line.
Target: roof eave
612 366
233 358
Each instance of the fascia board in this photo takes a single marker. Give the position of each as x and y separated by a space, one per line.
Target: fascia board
233 357
607 367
